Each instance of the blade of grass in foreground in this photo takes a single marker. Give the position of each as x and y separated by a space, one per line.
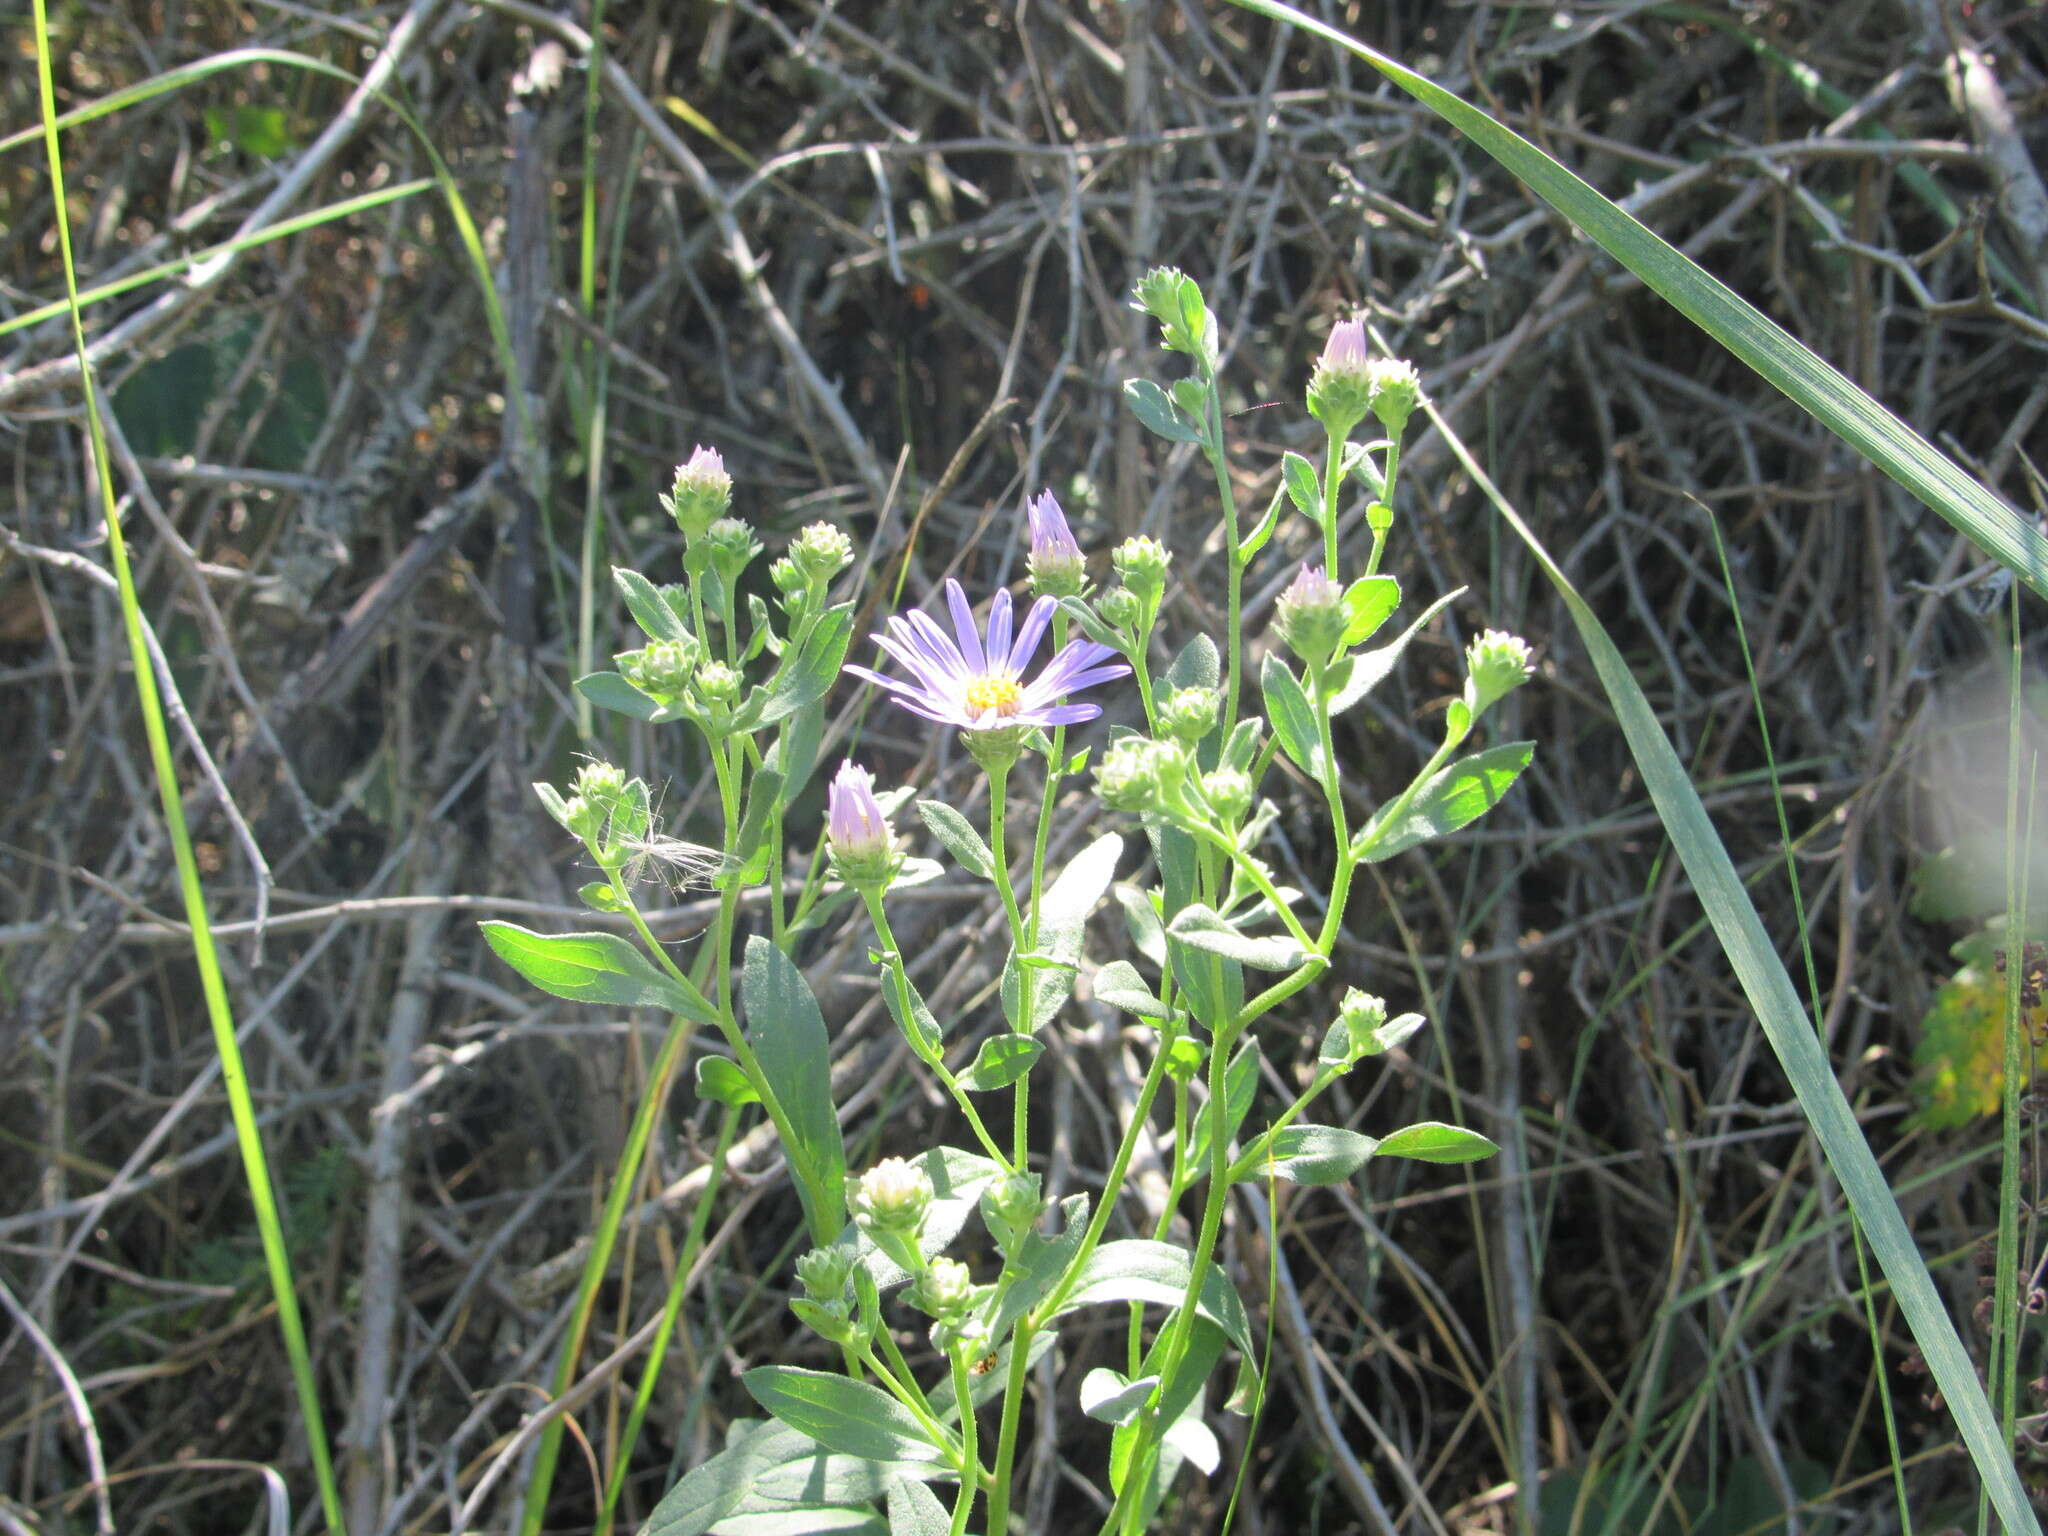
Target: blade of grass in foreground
262 1196
1791 1034
1808 380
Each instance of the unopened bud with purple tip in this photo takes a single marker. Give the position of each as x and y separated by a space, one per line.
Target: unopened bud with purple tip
1340 388
1055 561
857 829
701 493
1311 616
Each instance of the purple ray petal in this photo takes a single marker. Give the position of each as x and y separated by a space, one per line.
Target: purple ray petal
1030 631
968 638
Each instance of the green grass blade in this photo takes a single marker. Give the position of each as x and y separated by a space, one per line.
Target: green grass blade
1804 377
256 1169
1791 1034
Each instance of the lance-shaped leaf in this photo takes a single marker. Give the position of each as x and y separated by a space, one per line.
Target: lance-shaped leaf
594 968
1293 718
959 837
843 1415
789 1039
1454 796
1431 1141
1119 985
1001 1060
1149 403
1311 1154
1200 928
649 608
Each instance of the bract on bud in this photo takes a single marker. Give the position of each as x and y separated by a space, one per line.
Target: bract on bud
583 818
1055 560
1010 1208
600 782
821 552
1311 615
663 668
1395 389
1497 663
856 830
1189 714
1157 293
788 579
893 1196
1340 387
701 493
1142 562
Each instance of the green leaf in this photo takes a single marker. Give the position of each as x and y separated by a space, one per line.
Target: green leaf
1105 1395
1119 985
725 1082
959 837
649 608
1314 1154
920 1028
1141 921
752 847
1456 795
1431 1141
254 130
1242 749
914 1510
1041 1261
804 678
789 1039
795 753
608 690
850 1417
1353 677
1136 1269
594 968
1294 719
1197 666
1200 928
1063 919
1001 1060
1157 414
805 1520
1304 487
1371 601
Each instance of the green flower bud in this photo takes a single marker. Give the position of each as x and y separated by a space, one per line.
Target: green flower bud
825 1271
1189 714
945 1289
1157 293
732 547
1396 388
702 492
1229 794
1010 1208
601 782
1139 774
789 581
1120 608
584 819
1311 615
1141 562
970 1336
893 1196
663 668
821 552
717 683
1497 664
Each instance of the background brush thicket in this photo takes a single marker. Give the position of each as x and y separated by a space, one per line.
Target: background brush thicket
879 253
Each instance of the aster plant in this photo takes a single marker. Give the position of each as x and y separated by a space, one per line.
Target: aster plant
960 1240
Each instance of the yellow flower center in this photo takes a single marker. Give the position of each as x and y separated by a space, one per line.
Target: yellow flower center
996 691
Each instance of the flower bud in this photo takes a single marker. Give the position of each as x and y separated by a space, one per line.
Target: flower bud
1340 387
1311 615
702 492
1229 794
717 683
825 1271
856 830
601 782
893 1196
788 579
821 552
583 818
1141 562
1497 663
1139 774
1055 560
945 1289
1395 389
1189 714
663 668
1120 608
1350 1034
1010 1208
1157 293
732 547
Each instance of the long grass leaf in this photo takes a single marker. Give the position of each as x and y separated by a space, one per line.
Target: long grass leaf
1802 375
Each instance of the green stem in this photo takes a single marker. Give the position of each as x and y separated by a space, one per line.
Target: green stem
1233 544
1379 538
913 1399
963 1505
1020 944
1333 477
1006 1432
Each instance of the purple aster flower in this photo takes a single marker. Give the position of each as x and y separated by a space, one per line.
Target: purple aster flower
1345 351
959 680
854 821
